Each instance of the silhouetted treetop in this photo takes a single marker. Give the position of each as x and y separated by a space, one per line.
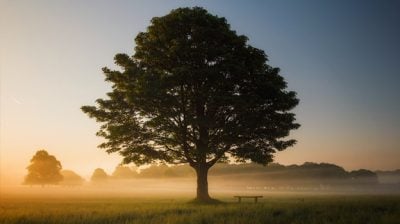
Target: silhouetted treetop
44 169
99 175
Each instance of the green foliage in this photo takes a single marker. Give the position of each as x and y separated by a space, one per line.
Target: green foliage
274 210
194 92
43 170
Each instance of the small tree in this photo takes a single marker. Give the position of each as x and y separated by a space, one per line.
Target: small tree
99 175
71 178
43 170
195 92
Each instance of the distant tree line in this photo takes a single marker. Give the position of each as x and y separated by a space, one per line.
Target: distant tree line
45 169
323 173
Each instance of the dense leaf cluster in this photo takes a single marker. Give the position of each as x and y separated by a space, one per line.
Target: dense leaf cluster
194 92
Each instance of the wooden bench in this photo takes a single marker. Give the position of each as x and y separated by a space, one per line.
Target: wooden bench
240 198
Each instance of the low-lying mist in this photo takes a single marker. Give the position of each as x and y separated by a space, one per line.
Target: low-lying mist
227 179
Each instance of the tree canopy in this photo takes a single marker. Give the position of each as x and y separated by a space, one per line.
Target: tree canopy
99 175
194 92
43 170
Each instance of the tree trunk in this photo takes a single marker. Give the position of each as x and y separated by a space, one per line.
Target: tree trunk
202 184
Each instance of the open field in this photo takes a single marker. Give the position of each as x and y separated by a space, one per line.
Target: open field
271 209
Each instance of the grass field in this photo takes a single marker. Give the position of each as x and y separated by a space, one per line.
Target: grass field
271 209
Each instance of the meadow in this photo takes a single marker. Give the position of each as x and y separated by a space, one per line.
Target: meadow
270 209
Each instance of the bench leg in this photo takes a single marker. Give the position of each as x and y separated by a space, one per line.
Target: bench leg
255 200
239 199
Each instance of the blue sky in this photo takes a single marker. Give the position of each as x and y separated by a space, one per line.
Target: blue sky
341 57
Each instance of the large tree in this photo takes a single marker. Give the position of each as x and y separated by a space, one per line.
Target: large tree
194 92
43 170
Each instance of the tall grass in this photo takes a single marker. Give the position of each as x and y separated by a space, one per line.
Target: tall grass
285 210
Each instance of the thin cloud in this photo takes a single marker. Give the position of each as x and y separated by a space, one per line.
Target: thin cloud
17 101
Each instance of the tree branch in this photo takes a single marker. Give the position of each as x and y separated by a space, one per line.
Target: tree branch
218 156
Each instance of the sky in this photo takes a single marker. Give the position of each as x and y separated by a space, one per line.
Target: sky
341 57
